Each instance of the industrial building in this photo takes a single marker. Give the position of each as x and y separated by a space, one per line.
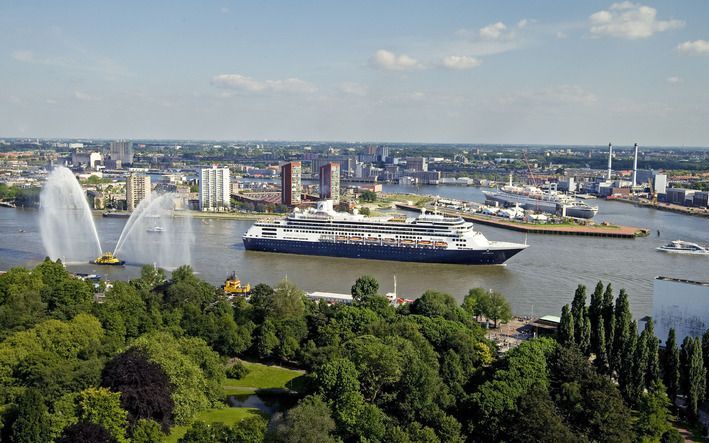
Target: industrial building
682 305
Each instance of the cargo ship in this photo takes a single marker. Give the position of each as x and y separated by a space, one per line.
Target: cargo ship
428 238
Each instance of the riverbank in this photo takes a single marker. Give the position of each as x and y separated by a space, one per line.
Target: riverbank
669 207
607 231
197 214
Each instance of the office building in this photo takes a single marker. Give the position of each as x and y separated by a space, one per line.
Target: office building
138 187
682 305
214 189
417 164
330 182
383 153
290 183
121 151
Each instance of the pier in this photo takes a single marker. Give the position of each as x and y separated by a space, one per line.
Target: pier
608 231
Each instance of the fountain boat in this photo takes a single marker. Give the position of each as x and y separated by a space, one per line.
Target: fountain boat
683 247
108 259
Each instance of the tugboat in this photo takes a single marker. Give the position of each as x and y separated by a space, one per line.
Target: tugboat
232 286
108 259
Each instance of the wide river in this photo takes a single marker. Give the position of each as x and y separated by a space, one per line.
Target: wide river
539 280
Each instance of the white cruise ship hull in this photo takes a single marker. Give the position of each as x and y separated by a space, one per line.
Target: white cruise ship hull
498 252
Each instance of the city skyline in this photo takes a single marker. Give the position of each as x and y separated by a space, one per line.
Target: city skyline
400 72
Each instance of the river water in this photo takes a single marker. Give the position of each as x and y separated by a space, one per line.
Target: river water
537 281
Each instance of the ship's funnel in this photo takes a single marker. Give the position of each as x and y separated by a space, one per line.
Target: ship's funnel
610 160
635 166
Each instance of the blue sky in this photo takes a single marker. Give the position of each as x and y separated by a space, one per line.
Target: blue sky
413 71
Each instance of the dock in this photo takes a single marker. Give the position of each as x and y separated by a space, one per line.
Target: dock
608 231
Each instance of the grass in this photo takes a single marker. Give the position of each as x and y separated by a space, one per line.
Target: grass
225 415
262 376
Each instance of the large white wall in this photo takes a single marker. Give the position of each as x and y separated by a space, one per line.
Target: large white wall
680 305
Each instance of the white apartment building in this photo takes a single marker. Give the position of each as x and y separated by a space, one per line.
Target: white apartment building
214 189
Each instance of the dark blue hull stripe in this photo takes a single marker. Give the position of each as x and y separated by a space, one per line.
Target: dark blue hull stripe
380 252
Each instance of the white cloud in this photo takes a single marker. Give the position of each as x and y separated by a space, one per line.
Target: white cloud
674 80
460 62
493 31
560 34
696 47
353 88
630 20
523 23
560 95
248 84
384 59
84 97
23 55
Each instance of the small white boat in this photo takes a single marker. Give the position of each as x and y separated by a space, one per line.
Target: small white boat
156 229
683 247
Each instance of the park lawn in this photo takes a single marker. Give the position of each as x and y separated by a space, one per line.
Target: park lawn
226 415
262 376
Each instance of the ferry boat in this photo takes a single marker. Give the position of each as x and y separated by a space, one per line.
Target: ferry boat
541 200
428 238
683 247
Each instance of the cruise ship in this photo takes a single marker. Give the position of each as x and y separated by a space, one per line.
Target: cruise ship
541 200
428 238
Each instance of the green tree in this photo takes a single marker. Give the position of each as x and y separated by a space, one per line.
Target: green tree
338 383
653 355
365 286
379 365
671 366
578 313
472 302
601 361
595 315
585 335
566 327
609 322
696 379
537 419
32 424
266 340
368 197
497 308
308 422
252 429
654 414
705 355
103 407
147 431
622 331
196 373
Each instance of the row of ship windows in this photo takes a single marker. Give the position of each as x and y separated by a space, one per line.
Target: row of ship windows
392 231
